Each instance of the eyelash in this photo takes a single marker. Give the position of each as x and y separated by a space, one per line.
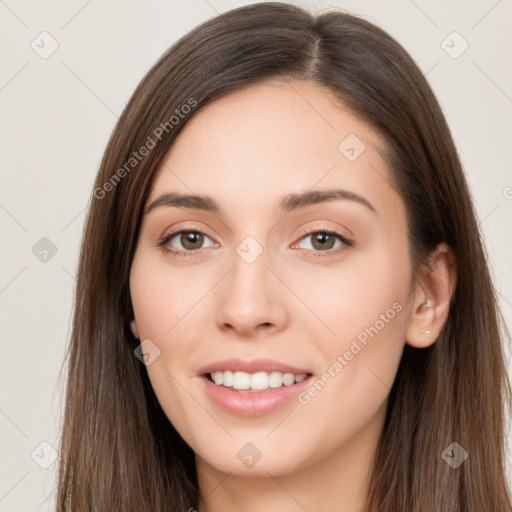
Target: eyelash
331 252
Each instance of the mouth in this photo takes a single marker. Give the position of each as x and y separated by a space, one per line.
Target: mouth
254 382
253 388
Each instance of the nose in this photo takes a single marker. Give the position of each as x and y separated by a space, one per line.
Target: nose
251 299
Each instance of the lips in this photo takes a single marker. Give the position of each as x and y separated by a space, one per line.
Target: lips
252 366
253 399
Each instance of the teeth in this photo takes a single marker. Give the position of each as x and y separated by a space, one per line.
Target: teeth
288 379
241 380
259 381
227 379
275 380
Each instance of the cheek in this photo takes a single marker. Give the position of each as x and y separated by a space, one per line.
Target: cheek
167 310
350 393
365 295
161 297
366 308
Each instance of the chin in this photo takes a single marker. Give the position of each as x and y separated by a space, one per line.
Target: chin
257 459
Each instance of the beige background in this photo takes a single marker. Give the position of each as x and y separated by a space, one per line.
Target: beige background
58 111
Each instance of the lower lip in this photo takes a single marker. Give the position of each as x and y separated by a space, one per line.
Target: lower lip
244 403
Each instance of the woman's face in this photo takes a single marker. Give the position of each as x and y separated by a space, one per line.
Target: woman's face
257 289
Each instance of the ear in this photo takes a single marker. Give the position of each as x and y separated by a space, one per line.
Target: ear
134 328
431 299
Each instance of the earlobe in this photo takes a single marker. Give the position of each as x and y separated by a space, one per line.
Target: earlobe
135 330
431 303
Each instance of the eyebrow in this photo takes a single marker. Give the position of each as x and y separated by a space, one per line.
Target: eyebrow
287 203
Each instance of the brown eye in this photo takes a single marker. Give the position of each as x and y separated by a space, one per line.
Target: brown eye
322 241
191 240
325 242
185 242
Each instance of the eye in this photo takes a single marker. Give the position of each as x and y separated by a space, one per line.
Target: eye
191 242
324 241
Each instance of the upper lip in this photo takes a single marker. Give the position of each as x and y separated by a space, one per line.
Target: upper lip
251 366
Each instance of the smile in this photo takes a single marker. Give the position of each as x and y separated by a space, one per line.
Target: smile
258 381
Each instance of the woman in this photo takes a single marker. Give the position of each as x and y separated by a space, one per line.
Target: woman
283 301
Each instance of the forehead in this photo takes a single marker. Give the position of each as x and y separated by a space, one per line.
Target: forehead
252 146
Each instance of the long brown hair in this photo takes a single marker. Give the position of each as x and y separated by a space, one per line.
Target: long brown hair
119 452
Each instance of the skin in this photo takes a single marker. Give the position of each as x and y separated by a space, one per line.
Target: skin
247 150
